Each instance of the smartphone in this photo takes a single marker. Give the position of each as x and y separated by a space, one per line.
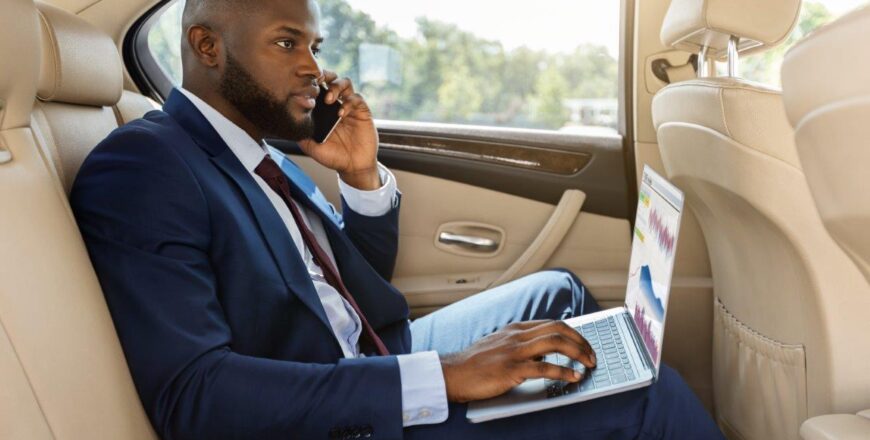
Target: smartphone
325 116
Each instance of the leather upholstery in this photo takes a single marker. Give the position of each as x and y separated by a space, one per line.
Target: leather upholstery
748 112
17 87
81 65
132 106
836 427
827 97
74 110
62 372
788 300
760 24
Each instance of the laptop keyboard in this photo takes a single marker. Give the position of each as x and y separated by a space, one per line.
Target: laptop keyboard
613 368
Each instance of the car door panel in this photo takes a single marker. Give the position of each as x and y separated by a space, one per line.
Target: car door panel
531 234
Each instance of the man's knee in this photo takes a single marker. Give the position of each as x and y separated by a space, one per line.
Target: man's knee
559 294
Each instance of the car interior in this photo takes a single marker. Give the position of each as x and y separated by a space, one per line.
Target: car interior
768 319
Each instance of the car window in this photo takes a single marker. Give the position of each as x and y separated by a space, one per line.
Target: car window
557 70
764 67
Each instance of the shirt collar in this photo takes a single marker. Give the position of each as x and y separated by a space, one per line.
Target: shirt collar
249 151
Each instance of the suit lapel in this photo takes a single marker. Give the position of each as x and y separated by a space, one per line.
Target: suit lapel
285 254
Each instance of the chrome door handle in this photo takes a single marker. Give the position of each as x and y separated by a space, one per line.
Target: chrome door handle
467 241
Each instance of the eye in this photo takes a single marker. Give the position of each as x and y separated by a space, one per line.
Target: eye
286 44
315 51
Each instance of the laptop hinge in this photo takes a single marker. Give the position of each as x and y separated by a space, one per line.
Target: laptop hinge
638 342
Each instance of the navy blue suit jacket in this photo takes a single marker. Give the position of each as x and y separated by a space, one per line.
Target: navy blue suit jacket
220 323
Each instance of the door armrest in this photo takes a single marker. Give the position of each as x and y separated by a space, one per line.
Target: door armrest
837 427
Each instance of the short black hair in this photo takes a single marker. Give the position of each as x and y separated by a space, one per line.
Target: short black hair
211 12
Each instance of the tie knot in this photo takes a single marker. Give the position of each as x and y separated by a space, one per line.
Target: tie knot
268 169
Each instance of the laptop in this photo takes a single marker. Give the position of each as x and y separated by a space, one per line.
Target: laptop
627 340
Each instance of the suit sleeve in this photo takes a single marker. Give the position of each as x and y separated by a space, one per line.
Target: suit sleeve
372 222
146 224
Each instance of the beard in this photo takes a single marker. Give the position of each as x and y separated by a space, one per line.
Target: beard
271 116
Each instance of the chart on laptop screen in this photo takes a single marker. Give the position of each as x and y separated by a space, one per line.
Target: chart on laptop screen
652 258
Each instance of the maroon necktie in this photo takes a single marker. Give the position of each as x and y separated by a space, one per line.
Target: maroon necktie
275 178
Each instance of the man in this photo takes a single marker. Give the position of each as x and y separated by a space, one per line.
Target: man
249 308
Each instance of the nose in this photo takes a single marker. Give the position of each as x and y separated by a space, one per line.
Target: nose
309 67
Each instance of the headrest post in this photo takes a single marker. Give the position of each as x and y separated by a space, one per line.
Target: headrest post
733 56
703 66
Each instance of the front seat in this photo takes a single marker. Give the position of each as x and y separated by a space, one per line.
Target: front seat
787 299
62 371
827 97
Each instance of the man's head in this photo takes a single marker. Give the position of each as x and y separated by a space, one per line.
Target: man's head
255 62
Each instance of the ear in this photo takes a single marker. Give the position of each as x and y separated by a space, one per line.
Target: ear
205 44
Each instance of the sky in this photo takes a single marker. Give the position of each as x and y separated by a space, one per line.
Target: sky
577 21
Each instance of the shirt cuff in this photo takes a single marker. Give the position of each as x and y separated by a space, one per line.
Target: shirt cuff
424 395
373 203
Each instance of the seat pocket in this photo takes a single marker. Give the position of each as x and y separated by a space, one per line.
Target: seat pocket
760 384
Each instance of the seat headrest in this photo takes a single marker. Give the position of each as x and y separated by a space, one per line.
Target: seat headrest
760 24
826 69
80 64
18 50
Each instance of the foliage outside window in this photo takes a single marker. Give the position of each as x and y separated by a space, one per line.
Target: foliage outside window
447 74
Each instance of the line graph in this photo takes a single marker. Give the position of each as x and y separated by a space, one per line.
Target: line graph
664 235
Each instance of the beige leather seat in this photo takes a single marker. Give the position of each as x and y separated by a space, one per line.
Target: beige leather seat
62 371
789 305
826 79
827 99
80 90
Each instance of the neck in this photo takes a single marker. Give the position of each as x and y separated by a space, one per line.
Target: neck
224 107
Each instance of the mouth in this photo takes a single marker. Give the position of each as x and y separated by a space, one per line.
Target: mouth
306 98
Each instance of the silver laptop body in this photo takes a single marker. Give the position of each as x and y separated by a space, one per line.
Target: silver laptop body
627 340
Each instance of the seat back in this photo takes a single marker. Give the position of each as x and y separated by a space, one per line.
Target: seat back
62 372
80 90
827 98
782 343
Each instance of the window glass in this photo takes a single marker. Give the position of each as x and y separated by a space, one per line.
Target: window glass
466 62
765 66
164 41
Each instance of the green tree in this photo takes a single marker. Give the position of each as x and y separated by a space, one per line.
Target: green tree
447 73
459 95
550 90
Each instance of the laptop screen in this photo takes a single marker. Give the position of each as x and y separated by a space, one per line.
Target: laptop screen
657 225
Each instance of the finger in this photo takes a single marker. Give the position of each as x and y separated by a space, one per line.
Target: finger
525 325
556 343
561 328
338 90
546 370
355 106
327 77
306 145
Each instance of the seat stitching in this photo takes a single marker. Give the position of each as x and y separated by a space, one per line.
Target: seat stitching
722 109
712 84
739 144
55 55
27 377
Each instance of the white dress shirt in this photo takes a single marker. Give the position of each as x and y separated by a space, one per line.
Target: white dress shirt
424 396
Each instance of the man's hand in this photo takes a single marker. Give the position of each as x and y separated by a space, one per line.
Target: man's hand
506 358
352 149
